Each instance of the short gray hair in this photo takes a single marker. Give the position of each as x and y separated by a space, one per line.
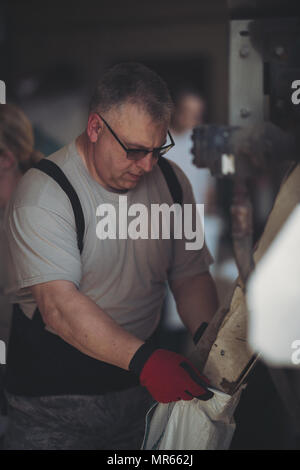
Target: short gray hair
135 83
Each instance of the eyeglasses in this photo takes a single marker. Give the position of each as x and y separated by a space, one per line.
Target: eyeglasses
138 154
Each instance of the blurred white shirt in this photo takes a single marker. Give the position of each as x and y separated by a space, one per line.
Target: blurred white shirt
274 298
200 178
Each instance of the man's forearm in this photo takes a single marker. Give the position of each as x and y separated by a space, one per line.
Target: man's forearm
80 322
196 299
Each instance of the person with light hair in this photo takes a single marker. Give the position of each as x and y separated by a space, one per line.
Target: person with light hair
17 155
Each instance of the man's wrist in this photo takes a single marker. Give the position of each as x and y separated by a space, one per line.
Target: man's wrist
140 357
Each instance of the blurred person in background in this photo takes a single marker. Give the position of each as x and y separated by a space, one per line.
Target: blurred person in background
189 112
273 298
16 156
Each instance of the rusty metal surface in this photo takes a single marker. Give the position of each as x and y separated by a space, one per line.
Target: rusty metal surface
229 359
242 228
246 105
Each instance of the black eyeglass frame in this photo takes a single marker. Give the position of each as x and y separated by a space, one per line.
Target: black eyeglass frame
160 150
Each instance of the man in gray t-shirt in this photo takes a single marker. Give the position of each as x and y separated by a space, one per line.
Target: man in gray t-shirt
83 318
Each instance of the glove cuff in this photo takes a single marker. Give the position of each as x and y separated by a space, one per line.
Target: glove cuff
200 332
140 357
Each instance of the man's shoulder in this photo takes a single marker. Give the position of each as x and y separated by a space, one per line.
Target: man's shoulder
181 176
63 156
159 183
38 189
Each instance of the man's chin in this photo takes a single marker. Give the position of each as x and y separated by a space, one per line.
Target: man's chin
129 184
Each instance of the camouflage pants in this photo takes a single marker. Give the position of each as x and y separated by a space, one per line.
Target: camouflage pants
113 421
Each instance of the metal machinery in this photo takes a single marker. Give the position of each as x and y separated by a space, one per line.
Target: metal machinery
263 135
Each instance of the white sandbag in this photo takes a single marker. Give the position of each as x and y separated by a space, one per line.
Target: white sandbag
192 425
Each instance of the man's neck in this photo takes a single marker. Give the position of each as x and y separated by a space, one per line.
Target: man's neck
84 149
82 146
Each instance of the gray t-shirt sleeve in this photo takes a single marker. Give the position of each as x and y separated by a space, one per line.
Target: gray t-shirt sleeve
42 246
189 262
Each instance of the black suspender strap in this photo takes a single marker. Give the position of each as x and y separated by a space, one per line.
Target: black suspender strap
51 169
171 180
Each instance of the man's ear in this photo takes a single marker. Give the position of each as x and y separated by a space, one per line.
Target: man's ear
94 127
7 161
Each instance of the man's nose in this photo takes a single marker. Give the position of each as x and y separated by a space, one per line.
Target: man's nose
146 163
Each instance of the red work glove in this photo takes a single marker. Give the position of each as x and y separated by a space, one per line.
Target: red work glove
168 376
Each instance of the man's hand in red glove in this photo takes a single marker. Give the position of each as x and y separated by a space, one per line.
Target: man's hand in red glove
168 376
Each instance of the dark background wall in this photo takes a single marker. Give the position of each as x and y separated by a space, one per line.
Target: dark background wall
180 39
